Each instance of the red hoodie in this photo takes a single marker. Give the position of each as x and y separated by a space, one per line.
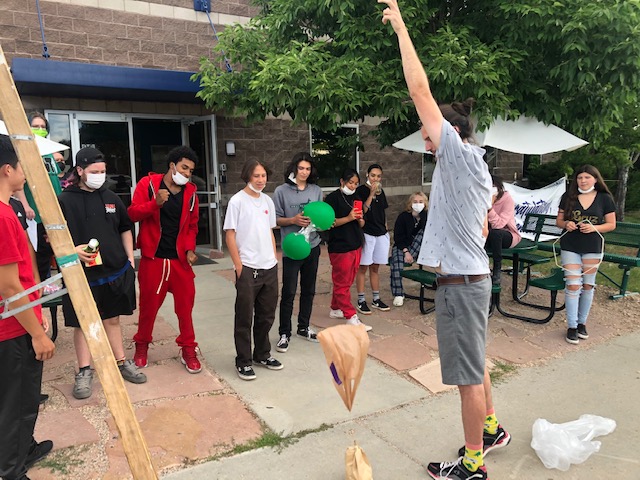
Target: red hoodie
145 210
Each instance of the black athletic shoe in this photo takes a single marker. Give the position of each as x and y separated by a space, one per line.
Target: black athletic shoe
572 336
492 442
283 344
38 452
363 308
246 373
308 334
455 471
270 363
380 305
582 331
43 398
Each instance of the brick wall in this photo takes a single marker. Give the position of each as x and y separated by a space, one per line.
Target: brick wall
110 36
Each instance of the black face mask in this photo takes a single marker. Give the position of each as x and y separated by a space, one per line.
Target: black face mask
61 166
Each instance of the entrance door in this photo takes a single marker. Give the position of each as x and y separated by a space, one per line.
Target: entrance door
200 134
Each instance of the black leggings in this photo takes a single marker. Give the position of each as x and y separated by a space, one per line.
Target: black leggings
498 239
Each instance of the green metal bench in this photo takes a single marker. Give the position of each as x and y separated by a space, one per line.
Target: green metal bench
427 281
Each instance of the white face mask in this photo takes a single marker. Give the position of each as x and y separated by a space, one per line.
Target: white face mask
254 189
589 190
178 178
95 180
417 207
347 191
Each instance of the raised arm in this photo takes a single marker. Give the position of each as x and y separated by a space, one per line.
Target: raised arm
414 74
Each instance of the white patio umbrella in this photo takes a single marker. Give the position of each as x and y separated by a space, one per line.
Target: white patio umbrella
525 135
46 146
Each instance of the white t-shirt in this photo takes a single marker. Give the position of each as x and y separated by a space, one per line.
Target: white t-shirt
458 204
252 219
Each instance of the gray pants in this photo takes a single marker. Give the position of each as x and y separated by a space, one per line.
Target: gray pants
256 301
462 313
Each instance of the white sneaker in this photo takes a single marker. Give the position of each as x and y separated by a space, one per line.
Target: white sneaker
336 314
398 301
356 321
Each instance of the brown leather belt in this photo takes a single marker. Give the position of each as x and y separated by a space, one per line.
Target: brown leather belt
460 279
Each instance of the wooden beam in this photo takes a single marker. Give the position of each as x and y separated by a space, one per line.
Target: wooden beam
118 402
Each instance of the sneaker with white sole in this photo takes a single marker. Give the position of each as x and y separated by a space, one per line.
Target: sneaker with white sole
130 372
398 301
270 363
380 305
492 441
363 308
355 321
246 373
336 314
283 344
82 387
455 471
308 334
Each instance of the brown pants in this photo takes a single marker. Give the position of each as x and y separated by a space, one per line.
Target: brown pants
256 301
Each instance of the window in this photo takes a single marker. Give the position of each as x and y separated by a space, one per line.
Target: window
334 152
428 165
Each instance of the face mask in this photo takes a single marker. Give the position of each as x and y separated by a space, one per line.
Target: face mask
61 166
41 132
254 189
179 179
589 190
347 191
95 180
417 207
292 178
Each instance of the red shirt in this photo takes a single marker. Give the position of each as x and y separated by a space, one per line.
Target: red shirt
14 249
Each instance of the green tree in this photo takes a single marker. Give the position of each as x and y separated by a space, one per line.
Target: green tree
570 62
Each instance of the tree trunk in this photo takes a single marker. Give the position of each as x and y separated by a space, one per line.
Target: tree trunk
621 191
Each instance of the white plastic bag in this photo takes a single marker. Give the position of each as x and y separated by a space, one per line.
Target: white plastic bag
559 445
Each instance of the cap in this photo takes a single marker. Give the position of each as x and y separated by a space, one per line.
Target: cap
87 156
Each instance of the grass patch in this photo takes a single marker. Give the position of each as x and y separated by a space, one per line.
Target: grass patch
632 216
501 371
62 461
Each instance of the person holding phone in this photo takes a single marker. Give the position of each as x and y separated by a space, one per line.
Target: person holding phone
345 240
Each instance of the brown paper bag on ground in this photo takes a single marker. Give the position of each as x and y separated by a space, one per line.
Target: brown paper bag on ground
345 348
357 464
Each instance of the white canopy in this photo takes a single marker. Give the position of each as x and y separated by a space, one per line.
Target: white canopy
46 146
525 135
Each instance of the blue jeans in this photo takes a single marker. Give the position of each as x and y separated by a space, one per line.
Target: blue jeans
578 301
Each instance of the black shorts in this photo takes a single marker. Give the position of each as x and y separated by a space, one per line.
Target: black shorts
112 299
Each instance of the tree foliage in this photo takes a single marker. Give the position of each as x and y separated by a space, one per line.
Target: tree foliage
568 62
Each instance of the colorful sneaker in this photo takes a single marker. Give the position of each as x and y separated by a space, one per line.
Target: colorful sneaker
582 331
363 308
189 358
308 334
336 314
270 363
380 305
82 388
455 471
572 336
492 442
246 373
140 357
130 372
356 321
283 344
398 301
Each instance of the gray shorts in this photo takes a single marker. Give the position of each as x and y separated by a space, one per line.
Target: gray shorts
462 313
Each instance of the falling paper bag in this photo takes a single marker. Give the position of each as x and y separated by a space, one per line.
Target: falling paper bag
357 464
345 348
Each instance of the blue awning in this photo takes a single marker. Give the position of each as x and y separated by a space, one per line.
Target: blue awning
52 78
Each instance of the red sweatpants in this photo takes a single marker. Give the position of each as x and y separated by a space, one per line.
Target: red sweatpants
344 267
156 277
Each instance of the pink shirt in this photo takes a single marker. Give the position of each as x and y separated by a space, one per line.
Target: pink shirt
502 215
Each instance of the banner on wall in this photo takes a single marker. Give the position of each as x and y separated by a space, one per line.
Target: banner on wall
544 200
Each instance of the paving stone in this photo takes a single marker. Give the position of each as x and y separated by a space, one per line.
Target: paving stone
185 430
513 332
158 352
400 352
172 380
229 275
383 327
65 428
323 321
161 331
430 376
554 340
515 350
96 398
419 324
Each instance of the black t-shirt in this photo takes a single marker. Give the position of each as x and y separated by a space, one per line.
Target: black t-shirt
347 237
407 227
577 241
374 218
170 223
20 213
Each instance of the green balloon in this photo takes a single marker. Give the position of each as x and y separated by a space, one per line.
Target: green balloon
321 214
295 246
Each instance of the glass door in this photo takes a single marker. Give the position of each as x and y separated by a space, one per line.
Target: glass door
200 134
